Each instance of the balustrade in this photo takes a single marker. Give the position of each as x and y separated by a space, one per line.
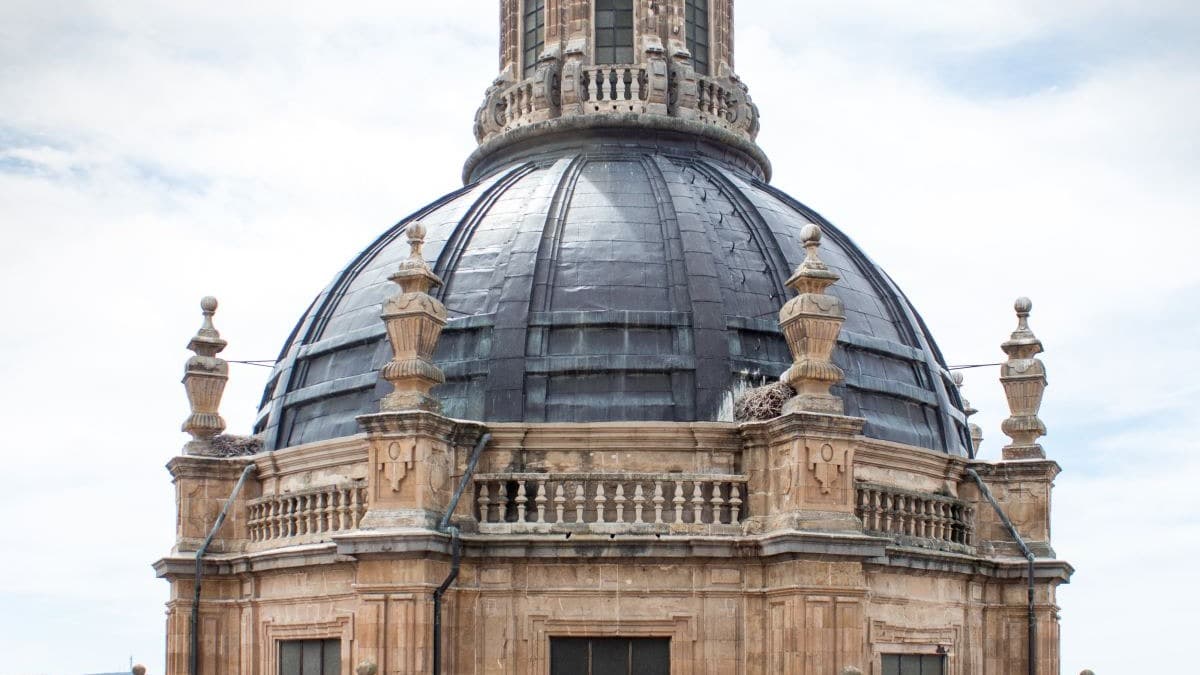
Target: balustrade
604 502
309 514
917 519
514 104
606 86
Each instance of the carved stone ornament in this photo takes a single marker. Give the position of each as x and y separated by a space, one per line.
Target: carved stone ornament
811 322
398 462
969 410
414 321
827 464
204 379
1024 380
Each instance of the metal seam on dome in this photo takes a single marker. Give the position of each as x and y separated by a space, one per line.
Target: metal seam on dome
514 347
892 294
462 234
706 400
317 317
763 235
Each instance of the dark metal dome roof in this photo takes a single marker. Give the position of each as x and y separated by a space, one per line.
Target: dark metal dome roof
604 277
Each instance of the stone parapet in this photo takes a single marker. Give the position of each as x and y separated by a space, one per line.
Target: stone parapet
202 485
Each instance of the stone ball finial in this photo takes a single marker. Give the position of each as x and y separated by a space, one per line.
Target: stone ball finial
1023 305
851 670
415 232
957 378
139 669
366 667
1086 672
810 234
208 304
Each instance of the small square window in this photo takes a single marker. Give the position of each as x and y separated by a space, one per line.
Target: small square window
310 657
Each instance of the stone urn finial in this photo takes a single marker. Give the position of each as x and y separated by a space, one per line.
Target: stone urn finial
366 667
975 430
1024 380
204 379
811 322
414 321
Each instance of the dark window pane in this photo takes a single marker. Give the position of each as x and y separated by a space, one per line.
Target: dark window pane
604 19
311 659
910 665
605 55
696 19
289 658
623 55
932 665
610 657
652 657
332 662
568 656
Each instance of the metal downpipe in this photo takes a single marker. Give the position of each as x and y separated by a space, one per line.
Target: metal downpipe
455 550
194 622
1029 571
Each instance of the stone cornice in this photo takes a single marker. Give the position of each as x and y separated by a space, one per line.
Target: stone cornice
798 423
563 127
910 458
421 423
616 436
193 466
1017 469
312 456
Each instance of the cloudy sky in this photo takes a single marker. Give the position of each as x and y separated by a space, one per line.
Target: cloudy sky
152 153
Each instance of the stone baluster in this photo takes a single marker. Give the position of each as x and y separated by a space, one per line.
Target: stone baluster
579 500
697 502
718 504
484 502
619 502
735 505
597 86
522 500
204 378
658 501
678 501
600 502
1024 378
560 503
635 84
358 506
639 502
540 500
811 322
414 321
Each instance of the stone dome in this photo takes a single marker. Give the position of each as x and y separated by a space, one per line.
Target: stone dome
597 275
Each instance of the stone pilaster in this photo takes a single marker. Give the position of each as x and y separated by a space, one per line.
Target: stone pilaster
204 379
1024 380
413 466
414 322
202 484
811 322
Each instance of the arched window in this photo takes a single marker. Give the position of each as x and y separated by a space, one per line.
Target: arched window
534 34
614 31
696 17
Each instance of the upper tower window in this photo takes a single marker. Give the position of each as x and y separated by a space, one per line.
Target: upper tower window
535 34
696 17
614 31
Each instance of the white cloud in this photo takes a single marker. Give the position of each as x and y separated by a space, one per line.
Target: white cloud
152 153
